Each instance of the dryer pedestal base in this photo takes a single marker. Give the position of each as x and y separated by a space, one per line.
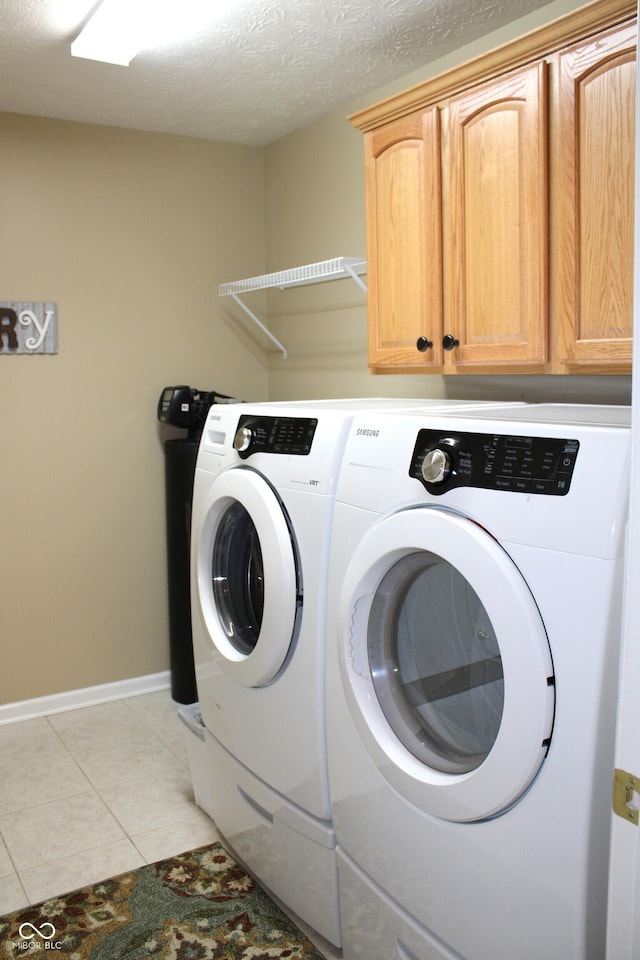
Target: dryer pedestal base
375 927
289 851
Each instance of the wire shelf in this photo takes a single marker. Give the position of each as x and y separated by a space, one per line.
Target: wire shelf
336 269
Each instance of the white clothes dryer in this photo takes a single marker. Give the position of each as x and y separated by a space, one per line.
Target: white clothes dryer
474 597
263 499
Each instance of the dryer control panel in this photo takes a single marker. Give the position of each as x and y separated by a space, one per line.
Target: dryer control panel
442 461
280 435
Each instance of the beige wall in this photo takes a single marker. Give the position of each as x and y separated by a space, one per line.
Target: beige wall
130 234
315 211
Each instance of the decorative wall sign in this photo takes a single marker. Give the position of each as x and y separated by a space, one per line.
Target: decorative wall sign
28 328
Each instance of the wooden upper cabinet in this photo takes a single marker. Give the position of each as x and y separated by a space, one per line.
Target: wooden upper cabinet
495 223
457 231
404 245
500 206
595 202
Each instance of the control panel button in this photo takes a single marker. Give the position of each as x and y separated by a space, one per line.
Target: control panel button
289 436
520 464
242 439
436 466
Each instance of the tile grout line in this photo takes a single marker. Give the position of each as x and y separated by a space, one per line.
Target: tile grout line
140 717
16 872
76 763
148 721
90 789
96 787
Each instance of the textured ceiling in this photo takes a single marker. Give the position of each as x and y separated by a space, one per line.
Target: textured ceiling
248 76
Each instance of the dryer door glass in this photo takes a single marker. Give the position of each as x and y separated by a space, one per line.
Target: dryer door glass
246 582
237 577
435 663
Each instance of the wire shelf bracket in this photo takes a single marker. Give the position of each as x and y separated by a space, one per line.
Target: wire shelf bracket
337 269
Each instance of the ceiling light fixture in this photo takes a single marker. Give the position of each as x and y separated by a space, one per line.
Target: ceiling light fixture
119 29
114 34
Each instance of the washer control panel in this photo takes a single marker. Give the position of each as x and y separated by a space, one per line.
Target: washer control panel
442 461
280 435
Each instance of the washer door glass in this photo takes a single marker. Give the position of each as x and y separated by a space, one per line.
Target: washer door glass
445 663
246 576
436 664
237 578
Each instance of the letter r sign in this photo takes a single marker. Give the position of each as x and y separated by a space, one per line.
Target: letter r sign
8 324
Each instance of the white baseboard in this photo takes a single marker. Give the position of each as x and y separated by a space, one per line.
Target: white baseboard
86 697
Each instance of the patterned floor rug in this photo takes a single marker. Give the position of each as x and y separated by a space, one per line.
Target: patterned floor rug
197 906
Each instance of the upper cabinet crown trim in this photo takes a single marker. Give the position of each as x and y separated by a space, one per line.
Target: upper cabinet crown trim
572 27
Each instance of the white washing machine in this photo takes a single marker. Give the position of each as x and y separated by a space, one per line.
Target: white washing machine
263 499
475 595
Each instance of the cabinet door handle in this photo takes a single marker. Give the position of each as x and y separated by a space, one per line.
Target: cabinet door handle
423 344
449 342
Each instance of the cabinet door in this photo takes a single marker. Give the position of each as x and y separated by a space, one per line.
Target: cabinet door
595 203
404 247
495 222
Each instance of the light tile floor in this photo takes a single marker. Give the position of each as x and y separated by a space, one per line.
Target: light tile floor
95 792
91 793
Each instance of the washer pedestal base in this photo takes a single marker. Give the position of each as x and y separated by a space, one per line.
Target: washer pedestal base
290 852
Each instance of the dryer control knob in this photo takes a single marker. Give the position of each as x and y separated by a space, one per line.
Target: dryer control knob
436 466
242 439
